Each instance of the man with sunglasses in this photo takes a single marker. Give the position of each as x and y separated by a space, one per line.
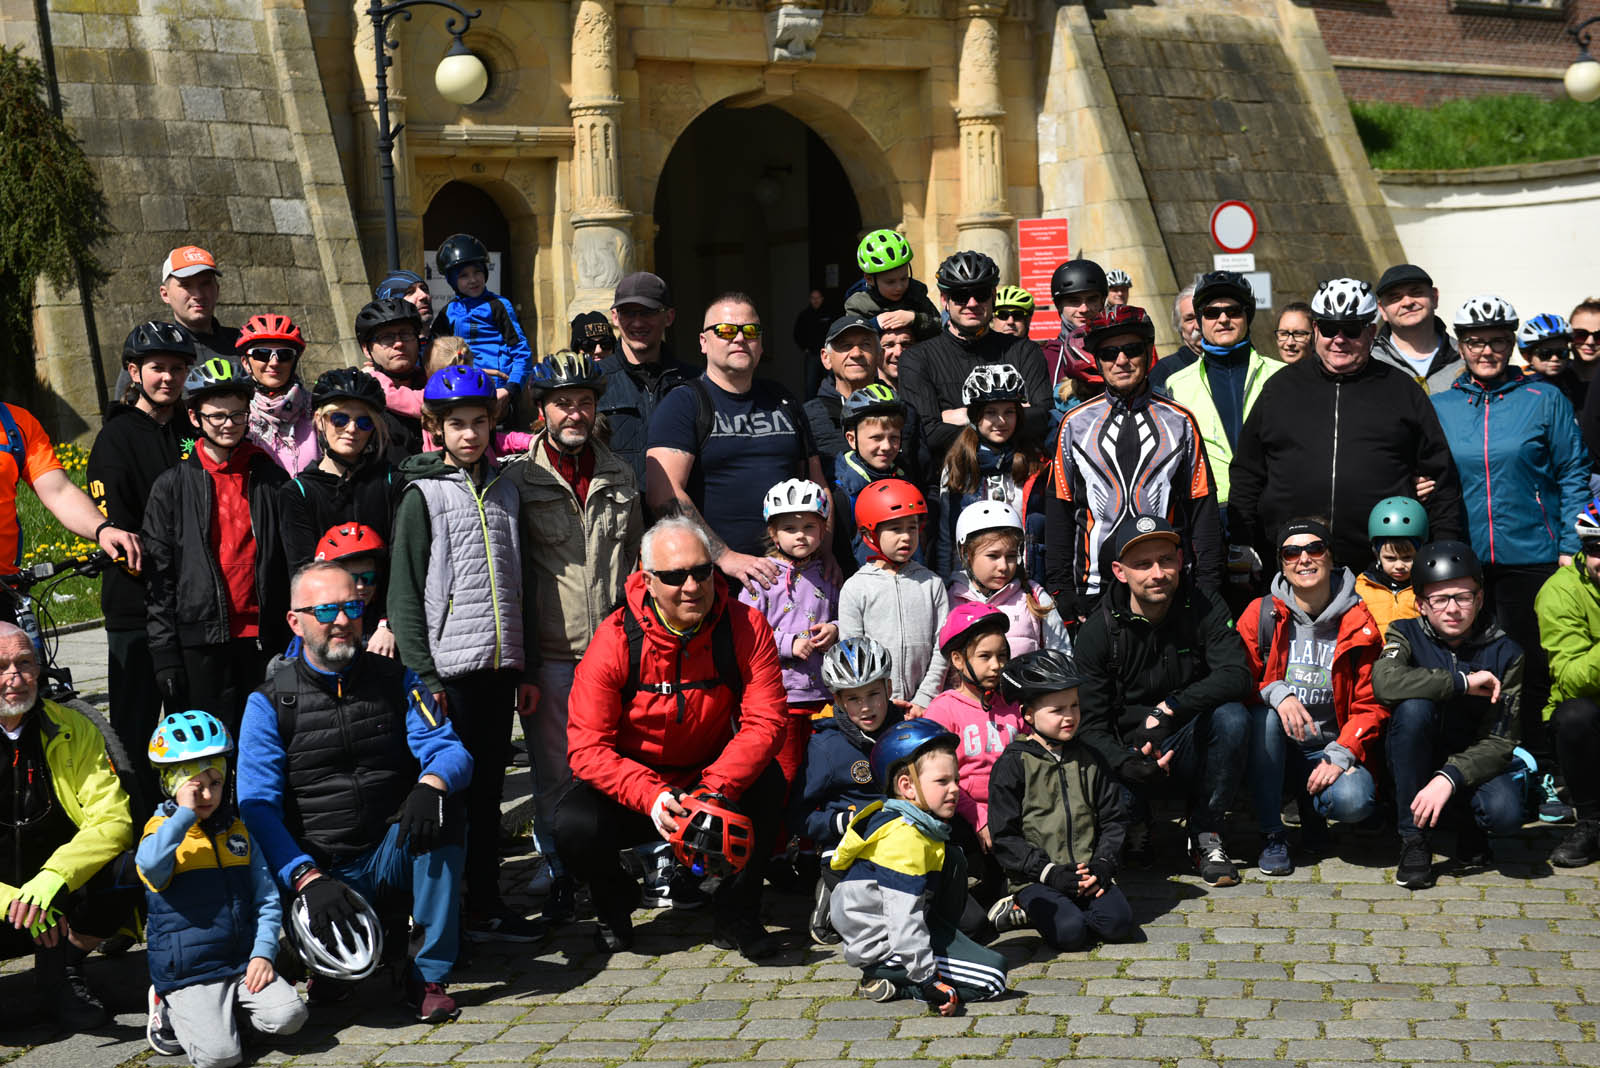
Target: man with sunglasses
642 370
1413 338
214 569
1334 435
933 372
349 778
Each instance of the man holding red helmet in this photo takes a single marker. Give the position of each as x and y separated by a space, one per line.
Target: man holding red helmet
678 693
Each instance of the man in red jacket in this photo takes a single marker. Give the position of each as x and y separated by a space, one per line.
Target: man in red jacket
704 707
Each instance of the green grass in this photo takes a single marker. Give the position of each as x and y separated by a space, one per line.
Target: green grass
44 538
1486 131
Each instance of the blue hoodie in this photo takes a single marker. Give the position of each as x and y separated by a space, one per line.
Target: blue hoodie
837 781
488 324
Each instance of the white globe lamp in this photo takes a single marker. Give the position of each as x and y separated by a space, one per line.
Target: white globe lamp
461 77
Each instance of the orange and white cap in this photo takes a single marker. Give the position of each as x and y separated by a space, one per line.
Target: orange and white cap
186 261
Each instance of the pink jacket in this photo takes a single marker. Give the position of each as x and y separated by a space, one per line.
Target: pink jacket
983 736
402 400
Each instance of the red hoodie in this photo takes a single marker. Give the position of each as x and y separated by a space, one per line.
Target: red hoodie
633 753
233 536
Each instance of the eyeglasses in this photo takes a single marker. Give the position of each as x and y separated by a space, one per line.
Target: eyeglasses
220 419
961 297
1498 345
729 331
1133 350
268 355
1349 330
1294 335
1440 601
365 578
1008 314
1314 549
340 420
1219 311
393 339
677 576
1584 336
327 613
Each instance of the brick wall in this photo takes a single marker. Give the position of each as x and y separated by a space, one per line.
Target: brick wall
1426 88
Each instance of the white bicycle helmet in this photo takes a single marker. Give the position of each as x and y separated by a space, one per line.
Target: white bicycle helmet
795 495
1486 310
1588 522
1344 300
993 382
980 516
1541 328
855 662
1116 278
360 942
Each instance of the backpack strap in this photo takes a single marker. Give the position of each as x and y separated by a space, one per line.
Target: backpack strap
705 415
19 456
723 655
726 657
282 692
634 633
1266 623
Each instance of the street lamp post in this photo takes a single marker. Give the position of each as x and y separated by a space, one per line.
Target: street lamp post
461 78
1583 77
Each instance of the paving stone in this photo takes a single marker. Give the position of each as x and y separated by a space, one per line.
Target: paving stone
1117 1047
422 1053
939 1049
776 1029
1044 1048
1422 1050
522 1051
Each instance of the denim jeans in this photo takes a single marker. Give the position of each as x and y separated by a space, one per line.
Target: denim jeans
432 879
1416 748
1275 757
1208 757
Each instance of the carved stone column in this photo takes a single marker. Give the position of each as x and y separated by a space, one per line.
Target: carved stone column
602 246
985 222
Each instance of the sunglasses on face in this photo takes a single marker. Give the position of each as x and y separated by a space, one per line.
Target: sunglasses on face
1583 337
268 355
598 345
1348 330
679 575
1560 353
729 331
1008 314
365 578
327 613
340 420
964 296
1219 311
1133 350
1314 549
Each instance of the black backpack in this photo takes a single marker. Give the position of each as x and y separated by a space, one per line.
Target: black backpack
723 655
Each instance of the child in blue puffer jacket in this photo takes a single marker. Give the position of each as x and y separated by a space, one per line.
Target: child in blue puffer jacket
482 318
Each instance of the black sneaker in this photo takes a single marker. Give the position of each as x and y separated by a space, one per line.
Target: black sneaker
672 887
1472 846
74 1005
821 922
505 926
745 935
562 904
1210 859
1415 870
1581 846
321 990
1006 915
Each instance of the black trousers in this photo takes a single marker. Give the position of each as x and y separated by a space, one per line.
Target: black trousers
135 706
1511 590
99 908
221 678
482 708
1576 726
593 827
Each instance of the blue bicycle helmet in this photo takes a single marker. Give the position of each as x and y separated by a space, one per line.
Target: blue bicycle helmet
191 735
905 742
396 285
455 385
1543 328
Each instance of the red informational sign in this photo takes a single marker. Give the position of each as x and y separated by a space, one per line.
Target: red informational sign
1042 246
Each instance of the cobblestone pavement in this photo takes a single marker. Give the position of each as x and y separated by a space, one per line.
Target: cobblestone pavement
1333 965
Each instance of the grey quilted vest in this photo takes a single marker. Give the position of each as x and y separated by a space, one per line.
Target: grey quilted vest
473 595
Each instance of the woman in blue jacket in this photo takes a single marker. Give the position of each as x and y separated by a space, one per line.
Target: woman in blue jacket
1524 473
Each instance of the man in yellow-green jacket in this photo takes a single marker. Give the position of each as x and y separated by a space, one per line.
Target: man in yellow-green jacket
65 832
1568 607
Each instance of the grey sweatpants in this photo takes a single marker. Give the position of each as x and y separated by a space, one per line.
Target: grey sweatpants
202 1016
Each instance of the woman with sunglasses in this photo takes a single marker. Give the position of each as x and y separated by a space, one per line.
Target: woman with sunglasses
1523 468
280 410
1312 643
353 482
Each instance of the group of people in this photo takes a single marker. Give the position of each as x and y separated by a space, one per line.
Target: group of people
951 622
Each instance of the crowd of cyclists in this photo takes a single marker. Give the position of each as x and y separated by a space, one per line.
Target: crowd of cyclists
969 605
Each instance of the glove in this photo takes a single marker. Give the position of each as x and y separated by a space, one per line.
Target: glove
940 995
1102 872
421 818
173 683
1141 770
41 890
1063 879
328 902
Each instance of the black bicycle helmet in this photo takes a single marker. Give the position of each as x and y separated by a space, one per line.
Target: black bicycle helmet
458 250
148 339
565 370
1214 284
381 313
1037 673
347 383
968 270
1078 276
1440 561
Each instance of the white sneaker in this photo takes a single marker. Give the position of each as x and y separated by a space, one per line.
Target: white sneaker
158 1029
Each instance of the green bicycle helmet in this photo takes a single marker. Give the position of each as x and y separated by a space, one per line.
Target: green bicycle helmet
882 250
1013 297
1398 517
215 376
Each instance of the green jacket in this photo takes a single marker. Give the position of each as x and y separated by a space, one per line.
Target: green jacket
90 794
1191 388
1568 607
1048 808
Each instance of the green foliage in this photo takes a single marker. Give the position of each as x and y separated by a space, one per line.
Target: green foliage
52 211
1484 131
44 538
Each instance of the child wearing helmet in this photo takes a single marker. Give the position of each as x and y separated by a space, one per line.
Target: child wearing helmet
1396 527
461 602
270 346
213 904
838 780
874 424
893 598
482 318
801 605
901 893
992 458
361 551
887 293
1058 815
451 351
989 543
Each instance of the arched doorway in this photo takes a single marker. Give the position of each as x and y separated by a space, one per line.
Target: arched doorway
752 199
463 208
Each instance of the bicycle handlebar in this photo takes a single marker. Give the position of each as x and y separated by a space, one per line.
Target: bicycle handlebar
87 565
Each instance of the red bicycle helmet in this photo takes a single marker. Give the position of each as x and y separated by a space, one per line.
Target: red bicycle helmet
886 499
269 326
1118 319
714 838
351 539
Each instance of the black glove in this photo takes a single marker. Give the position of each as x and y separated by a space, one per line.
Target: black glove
1103 874
328 902
173 683
938 993
1140 770
1063 879
421 818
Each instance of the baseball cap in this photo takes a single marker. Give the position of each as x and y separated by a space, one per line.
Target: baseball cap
186 261
1141 528
1400 274
588 327
642 287
850 322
